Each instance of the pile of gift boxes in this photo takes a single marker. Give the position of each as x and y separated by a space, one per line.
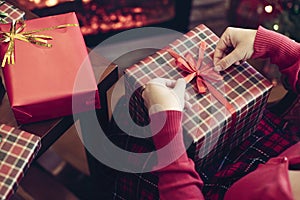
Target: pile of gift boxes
46 74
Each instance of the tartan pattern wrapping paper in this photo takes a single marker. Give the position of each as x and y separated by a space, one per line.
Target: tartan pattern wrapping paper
13 12
207 122
17 150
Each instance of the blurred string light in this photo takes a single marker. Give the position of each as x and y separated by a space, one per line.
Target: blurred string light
269 9
50 3
35 1
276 27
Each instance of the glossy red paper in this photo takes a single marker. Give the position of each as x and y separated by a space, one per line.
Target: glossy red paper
46 83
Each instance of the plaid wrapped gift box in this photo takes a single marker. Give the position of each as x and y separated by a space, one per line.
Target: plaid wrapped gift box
13 13
17 150
208 122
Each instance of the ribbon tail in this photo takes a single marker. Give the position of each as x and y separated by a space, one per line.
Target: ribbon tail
201 87
3 61
9 56
181 60
190 77
192 63
220 98
227 105
201 53
173 53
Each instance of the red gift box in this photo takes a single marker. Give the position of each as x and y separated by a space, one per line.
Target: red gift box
213 128
13 13
17 151
2 90
46 83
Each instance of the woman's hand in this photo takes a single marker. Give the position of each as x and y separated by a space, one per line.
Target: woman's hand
162 94
234 46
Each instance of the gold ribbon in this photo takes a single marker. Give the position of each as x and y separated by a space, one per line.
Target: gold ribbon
26 36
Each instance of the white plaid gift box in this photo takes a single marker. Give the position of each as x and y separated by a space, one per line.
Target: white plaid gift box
212 127
12 12
17 150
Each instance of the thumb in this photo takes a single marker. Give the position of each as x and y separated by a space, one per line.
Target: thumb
179 87
229 60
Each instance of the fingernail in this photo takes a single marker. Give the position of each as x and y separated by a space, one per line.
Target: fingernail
217 68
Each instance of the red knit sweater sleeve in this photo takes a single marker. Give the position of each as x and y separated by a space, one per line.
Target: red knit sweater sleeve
283 52
178 178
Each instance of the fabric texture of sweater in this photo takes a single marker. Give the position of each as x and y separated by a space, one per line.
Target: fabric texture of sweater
179 180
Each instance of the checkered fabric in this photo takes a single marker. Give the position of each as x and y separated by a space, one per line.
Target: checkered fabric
208 122
13 12
17 150
270 139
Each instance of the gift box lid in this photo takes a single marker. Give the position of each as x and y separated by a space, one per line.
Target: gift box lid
17 150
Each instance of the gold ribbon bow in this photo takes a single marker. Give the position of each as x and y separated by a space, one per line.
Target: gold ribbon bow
28 36
202 72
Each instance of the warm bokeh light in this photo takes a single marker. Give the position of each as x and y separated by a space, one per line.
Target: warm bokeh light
36 1
104 16
50 3
268 8
276 27
259 9
86 1
137 10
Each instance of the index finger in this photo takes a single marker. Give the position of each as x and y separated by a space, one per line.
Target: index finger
220 51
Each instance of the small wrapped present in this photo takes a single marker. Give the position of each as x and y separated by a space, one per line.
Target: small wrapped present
47 79
8 13
17 151
225 107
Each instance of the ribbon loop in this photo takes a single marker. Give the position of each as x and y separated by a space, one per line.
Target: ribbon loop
202 72
29 36
196 68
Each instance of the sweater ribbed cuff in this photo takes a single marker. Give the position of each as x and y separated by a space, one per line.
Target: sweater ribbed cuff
166 128
282 50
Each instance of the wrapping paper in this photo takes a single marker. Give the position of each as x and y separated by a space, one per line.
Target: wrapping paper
46 83
17 150
2 90
208 122
13 12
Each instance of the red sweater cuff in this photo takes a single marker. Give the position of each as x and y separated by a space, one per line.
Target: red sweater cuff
282 50
166 128
177 176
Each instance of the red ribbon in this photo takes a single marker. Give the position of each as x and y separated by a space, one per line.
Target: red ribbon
202 72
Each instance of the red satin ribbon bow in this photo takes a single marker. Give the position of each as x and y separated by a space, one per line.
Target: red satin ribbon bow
202 72
196 69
